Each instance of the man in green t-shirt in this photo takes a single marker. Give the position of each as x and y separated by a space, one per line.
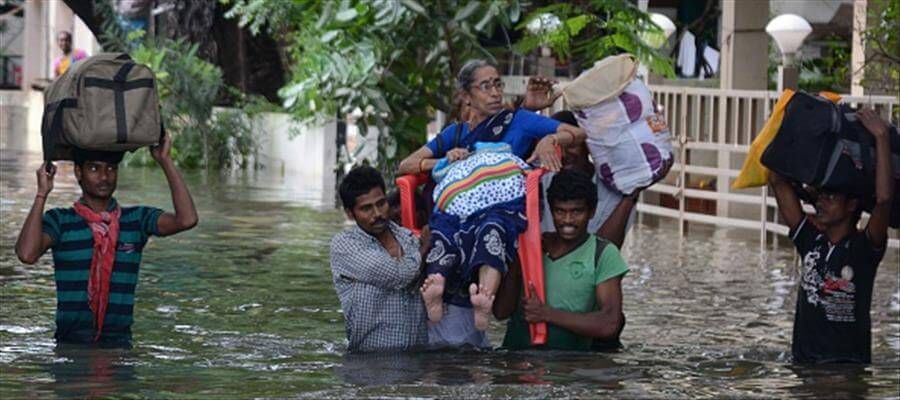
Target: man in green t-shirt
582 276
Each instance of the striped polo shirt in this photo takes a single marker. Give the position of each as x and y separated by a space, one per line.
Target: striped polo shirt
72 248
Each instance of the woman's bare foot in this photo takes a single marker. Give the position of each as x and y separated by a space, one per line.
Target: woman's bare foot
481 303
433 295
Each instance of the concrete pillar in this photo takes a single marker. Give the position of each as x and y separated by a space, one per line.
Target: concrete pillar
546 63
83 38
788 77
745 45
744 64
858 48
33 59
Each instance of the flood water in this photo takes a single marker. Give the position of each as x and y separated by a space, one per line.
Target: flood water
242 306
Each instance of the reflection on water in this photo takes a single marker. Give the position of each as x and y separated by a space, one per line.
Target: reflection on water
242 306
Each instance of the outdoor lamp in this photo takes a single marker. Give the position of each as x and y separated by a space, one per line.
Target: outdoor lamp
788 30
542 25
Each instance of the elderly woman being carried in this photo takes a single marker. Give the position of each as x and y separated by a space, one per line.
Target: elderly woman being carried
479 198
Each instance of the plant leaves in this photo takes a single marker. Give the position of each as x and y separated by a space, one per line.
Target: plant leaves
346 15
466 11
515 11
328 36
414 6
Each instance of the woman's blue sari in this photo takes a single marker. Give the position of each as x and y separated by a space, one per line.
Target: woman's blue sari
489 130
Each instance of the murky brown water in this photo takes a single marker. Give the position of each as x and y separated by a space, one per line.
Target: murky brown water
242 306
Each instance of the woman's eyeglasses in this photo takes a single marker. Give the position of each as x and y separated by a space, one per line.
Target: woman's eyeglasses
487 86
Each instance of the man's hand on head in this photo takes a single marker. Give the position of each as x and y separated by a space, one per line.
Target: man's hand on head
873 123
162 152
45 179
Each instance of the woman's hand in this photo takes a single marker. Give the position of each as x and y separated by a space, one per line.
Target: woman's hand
549 153
456 154
539 95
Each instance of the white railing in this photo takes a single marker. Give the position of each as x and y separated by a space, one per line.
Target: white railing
713 129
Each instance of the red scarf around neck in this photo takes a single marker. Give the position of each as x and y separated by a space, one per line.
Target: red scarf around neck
105 231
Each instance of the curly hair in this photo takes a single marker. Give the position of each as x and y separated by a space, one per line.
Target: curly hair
357 182
570 185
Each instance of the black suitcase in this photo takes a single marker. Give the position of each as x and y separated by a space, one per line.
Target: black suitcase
823 145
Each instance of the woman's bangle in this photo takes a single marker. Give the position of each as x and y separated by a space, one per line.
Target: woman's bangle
43 196
420 165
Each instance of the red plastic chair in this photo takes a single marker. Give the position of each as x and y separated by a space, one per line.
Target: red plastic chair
529 241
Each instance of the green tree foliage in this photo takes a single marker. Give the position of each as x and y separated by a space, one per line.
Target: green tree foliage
188 88
395 59
392 59
591 30
830 72
882 42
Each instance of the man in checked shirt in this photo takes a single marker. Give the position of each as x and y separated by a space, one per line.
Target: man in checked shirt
376 267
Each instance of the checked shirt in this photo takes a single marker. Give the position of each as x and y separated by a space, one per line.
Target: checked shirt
379 294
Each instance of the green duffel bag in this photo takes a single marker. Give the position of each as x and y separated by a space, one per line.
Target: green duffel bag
104 102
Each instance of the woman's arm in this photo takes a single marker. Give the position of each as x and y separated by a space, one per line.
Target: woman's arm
545 150
417 162
421 160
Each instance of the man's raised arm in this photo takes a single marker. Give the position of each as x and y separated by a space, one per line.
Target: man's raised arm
788 203
33 242
884 182
185 216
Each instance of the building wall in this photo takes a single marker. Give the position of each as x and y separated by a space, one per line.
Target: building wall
304 156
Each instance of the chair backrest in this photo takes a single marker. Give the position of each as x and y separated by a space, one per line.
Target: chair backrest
407 185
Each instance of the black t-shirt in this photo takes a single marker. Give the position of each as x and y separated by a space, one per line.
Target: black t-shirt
832 321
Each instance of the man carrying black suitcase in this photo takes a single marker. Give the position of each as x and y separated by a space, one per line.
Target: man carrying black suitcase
97 244
832 323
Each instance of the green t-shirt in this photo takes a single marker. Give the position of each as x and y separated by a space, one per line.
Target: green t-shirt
570 283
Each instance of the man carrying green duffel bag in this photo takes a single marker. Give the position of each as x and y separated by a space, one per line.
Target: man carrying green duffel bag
97 244
101 107
106 102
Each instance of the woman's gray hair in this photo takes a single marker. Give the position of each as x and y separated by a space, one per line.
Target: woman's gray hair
466 76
